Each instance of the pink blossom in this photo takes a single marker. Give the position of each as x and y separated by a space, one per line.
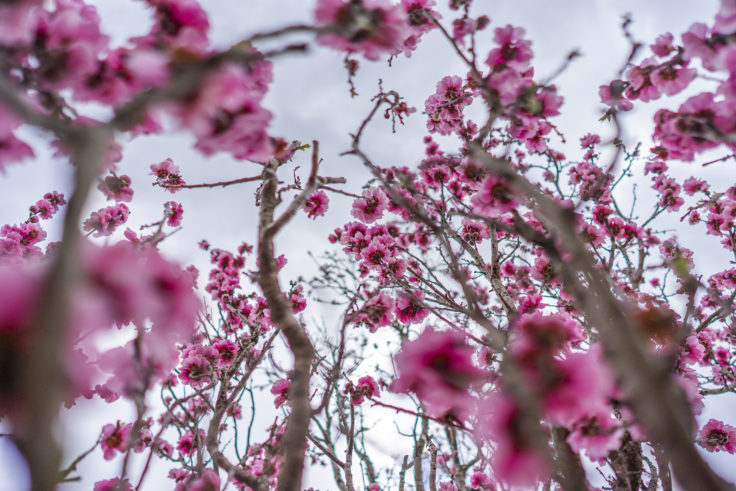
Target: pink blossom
640 81
369 27
297 300
371 206
687 380
463 27
474 232
435 172
410 307
380 255
544 271
195 371
187 444
121 74
167 174
693 185
208 480
280 389
114 484
481 481
593 181
509 84
13 150
116 187
316 204
438 367
589 140
697 44
717 436
494 198
541 345
597 435
578 373
694 351
684 133
513 51
148 68
377 312
545 102
445 107
105 220
18 22
72 32
50 204
531 130
725 22
19 242
123 285
655 166
669 191
514 460
418 22
174 213
115 438
227 350
178 474
236 123
613 95
671 80
366 387
663 45
530 303
182 24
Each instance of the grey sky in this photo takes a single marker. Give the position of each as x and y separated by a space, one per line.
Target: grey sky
310 100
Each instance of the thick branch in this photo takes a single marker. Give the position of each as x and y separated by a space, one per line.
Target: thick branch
293 441
567 461
43 380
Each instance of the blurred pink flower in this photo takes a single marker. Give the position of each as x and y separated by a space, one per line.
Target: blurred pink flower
438 367
369 27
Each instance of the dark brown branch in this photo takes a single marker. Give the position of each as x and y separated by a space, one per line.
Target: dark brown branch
211 184
402 473
326 451
221 405
312 182
432 465
420 441
567 461
349 451
293 441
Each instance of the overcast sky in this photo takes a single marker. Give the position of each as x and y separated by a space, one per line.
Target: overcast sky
310 100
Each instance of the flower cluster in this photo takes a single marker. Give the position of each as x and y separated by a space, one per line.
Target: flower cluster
316 204
368 27
366 387
236 124
438 367
167 175
105 220
445 107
